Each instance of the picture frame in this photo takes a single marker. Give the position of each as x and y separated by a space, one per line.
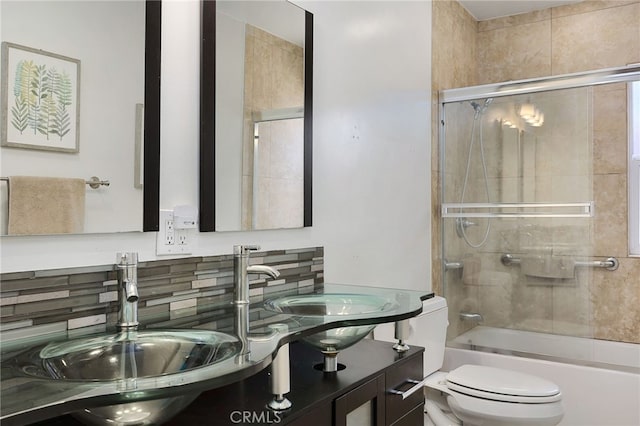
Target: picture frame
40 100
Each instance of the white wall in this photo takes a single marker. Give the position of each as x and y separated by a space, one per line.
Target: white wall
371 149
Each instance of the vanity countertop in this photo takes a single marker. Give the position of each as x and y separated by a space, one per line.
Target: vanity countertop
27 398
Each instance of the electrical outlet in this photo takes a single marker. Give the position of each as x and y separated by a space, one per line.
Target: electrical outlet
171 240
182 237
169 232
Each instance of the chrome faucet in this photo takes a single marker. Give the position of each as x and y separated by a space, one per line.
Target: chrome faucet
241 269
127 264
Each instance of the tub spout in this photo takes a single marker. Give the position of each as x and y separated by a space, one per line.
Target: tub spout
471 316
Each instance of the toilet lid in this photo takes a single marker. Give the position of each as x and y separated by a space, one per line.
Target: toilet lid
500 384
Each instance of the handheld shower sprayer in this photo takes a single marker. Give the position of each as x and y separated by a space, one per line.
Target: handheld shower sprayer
480 109
462 223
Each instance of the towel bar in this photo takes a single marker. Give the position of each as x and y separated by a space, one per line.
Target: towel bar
95 182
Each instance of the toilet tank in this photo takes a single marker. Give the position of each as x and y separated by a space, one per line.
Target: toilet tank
428 329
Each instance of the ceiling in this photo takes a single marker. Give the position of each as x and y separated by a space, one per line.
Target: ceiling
489 9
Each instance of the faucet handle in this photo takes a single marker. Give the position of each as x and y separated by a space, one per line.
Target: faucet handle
243 249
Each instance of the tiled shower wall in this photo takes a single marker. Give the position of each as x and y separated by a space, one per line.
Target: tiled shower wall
34 303
584 36
453 65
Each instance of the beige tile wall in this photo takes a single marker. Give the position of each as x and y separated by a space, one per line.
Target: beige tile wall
584 36
453 64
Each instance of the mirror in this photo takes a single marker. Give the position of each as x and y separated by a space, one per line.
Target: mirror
109 54
256 116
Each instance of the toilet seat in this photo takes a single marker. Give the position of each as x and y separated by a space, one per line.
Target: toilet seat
502 385
479 395
477 411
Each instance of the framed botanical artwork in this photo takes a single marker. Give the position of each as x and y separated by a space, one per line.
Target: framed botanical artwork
40 99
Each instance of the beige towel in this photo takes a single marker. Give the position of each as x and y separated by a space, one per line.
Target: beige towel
45 205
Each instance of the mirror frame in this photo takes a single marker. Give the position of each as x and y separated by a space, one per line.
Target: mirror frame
208 124
151 185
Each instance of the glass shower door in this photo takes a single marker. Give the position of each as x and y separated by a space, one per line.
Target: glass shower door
518 212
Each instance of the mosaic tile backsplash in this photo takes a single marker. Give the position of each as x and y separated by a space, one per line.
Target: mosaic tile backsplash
37 303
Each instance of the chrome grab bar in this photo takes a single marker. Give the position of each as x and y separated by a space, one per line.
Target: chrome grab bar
610 263
509 259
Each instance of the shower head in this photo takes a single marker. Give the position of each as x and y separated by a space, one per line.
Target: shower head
480 109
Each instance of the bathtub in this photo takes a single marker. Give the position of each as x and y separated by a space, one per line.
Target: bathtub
599 380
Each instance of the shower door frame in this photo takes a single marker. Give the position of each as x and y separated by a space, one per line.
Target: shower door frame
544 84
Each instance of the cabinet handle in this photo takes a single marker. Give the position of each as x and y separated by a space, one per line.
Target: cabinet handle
417 385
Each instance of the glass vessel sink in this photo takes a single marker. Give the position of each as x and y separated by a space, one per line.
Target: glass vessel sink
333 307
336 304
126 357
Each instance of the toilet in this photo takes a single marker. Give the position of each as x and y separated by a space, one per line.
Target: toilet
474 395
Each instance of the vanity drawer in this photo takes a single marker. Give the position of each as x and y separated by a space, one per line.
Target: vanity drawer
413 418
400 378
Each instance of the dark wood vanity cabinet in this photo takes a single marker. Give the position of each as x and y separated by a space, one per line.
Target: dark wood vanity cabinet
360 391
373 403
366 403
408 411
